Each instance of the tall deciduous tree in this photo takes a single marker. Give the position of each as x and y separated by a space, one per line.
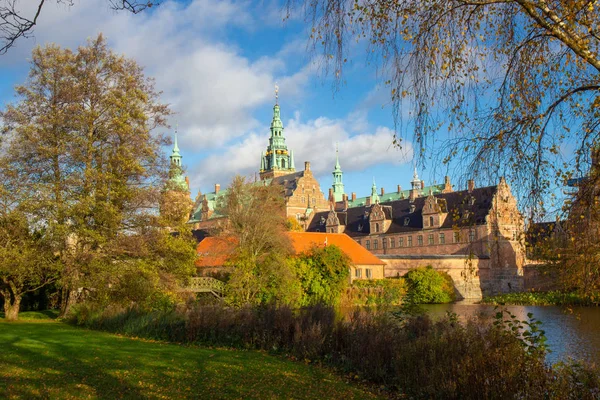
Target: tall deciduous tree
256 221
516 82
80 141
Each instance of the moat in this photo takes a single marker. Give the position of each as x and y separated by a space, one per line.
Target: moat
572 332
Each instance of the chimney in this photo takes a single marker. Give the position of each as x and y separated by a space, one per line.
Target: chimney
217 188
353 196
187 182
331 197
382 191
470 185
422 185
399 188
307 165
345 201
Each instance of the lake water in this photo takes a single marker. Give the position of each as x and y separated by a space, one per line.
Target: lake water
571 332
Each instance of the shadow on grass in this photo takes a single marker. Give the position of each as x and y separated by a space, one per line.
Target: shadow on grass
54 360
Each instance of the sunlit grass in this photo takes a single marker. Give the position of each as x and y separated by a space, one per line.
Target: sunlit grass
54 360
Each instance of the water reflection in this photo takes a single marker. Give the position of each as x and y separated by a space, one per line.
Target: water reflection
573 332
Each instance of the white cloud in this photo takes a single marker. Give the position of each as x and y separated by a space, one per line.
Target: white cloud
211 86
312 141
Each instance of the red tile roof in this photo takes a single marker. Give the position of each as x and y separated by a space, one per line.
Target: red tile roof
214 251
304 241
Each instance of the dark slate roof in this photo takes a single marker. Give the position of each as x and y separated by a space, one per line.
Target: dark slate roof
464 209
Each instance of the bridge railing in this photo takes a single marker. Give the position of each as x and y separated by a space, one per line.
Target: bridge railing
206 284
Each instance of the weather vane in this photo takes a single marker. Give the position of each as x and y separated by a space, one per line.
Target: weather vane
276 93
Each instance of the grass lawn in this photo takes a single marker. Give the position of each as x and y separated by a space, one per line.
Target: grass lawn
48 359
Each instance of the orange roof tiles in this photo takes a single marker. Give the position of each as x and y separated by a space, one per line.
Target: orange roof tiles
303 241
214 251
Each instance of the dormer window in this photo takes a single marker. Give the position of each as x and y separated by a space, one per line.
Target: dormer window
323 220
412 208
472 200
406 221
360 227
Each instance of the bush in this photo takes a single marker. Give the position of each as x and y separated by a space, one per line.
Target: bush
380 292
414 357
428 286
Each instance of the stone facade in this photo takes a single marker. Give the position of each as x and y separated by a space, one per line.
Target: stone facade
475 235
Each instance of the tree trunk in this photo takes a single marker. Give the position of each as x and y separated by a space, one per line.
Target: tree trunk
69 298
11 307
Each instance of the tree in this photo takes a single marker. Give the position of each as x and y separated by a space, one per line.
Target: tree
256 222
324 272
18 20
516 82
80 145
25 264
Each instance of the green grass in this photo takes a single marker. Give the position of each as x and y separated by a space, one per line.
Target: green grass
37 315
48 359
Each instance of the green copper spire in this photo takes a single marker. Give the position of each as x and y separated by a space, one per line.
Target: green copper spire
277 157
338 185
374 195
176 178
175 156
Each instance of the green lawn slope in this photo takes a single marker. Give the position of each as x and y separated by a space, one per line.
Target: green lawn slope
48 359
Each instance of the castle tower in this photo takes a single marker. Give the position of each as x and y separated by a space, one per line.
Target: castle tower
374 195
175 201
277 161
177 180
338 185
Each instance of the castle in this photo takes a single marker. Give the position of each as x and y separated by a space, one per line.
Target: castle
476 234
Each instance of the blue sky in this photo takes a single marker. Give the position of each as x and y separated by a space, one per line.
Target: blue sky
217 62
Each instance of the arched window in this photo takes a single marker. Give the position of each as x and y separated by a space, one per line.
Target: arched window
283 163
430 221
377 227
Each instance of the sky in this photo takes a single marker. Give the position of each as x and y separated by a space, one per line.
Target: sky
217 63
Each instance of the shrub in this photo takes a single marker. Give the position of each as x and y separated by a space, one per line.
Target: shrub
426 286
380 292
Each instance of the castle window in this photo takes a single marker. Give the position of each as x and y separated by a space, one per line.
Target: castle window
369 272
471 235
430 239
377 227
442 238
302 189
368 245
358 273
392 243
406 221
360 227
375 244
401 242
384 243
431 221
303 199
456 237
420 240
409 241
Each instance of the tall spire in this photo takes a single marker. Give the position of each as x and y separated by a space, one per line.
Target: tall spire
277 160
338 185
176 172
374 195
416 182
